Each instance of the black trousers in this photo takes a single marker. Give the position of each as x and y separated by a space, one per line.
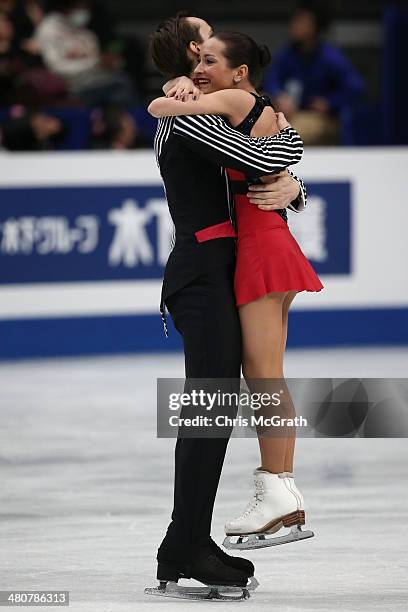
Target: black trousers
205 314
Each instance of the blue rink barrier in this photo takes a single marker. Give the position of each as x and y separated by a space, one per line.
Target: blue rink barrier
144 333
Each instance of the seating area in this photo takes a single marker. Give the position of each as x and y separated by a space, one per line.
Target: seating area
78 123
370 34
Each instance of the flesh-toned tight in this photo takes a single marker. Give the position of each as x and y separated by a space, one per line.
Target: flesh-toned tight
264 325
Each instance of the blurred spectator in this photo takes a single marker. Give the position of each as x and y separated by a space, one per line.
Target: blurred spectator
72 51
35 131
311 80
25 16
115 128
7 6
23 78
10 64
126 52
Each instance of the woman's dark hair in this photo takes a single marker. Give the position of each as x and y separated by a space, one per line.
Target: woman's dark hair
242 49
169 44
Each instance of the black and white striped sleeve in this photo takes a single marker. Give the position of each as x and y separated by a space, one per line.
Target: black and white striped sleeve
212 137
299 204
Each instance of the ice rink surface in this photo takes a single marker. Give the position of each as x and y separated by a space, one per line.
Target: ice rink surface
86 491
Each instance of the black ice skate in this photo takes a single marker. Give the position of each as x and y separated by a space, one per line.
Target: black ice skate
222 581
238 562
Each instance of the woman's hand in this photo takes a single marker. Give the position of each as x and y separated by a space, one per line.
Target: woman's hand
184 90
282 121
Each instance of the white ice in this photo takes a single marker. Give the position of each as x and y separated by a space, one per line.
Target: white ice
86 490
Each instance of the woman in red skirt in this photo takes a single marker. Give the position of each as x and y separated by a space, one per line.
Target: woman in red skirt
271 269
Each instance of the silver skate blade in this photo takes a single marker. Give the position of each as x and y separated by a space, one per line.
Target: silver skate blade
261 540
204 593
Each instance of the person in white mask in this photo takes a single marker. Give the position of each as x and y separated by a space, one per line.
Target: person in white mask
71 50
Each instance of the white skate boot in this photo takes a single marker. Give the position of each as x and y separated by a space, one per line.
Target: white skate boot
292 485
277 503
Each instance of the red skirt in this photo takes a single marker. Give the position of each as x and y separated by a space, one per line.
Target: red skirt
269 259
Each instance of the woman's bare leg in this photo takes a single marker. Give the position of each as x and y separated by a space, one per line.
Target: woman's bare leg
291 440
263 337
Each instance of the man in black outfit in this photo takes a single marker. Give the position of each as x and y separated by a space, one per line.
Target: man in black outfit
198 292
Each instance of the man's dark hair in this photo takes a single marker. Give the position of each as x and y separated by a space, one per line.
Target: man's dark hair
169 44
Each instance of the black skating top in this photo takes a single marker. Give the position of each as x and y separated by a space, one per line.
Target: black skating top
245 127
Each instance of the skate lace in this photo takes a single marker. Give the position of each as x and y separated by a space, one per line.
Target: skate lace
257 497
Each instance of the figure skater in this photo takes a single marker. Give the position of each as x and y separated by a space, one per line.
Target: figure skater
271 269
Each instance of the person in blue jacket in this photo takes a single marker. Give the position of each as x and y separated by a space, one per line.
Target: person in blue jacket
311 81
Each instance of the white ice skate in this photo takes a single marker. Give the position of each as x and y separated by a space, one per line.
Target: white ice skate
277 503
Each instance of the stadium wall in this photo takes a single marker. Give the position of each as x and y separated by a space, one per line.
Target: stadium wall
84 238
